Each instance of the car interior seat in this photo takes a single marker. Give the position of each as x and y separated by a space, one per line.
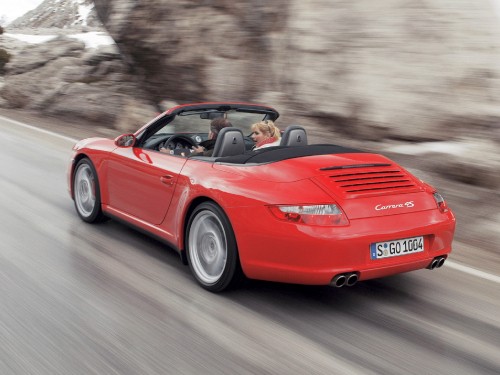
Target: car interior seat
294 135
229 142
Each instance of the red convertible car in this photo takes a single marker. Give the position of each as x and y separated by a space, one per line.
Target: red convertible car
298 213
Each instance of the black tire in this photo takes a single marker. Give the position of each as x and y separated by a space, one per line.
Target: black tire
211 248
86 191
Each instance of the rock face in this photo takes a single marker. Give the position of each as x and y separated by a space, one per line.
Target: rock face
424 70
383 71
63 78
60 14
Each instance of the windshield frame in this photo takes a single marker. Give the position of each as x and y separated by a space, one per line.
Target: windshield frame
162 121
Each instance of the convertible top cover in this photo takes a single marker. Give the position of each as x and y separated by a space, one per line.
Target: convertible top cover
278 153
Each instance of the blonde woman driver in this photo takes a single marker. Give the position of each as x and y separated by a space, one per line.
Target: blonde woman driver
265 134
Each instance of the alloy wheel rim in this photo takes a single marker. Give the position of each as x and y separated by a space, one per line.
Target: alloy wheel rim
85 190
208 247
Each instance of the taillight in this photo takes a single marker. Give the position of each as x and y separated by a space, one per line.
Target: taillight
441 203
318 214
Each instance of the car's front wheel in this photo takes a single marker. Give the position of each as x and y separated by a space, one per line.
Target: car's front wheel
211 248
86 192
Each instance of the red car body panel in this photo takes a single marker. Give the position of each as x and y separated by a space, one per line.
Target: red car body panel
156 191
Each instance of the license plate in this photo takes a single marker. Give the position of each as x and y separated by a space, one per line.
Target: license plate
396 248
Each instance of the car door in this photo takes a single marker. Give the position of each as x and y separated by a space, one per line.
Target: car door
141 182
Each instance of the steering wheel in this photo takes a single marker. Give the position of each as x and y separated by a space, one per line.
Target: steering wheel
173 142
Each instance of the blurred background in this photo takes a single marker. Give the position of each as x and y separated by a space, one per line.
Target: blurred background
417 81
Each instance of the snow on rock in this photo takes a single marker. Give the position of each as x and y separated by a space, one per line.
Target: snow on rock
61 14
92 39
67 77
84 11
31 39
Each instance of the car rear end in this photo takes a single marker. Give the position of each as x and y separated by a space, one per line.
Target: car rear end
355 217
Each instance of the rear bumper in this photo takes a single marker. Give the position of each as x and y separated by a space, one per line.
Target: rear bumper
319 276
278 251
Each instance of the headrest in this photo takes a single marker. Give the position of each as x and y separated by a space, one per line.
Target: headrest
294 135
229 142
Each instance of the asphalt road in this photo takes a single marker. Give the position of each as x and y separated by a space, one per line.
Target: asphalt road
103 299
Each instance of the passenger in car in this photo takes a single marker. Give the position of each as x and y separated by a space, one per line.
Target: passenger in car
265 134
206 148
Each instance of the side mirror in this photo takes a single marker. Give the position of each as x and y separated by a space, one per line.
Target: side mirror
125 140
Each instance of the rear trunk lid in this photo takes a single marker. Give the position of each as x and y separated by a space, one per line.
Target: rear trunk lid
376 188
363 184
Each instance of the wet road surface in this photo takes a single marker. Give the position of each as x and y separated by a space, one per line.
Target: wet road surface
104 299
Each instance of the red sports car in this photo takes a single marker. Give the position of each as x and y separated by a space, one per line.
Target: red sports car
297 213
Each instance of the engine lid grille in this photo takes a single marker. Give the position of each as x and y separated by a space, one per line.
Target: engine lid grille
376 178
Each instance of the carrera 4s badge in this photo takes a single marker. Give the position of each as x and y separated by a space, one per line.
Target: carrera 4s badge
380 207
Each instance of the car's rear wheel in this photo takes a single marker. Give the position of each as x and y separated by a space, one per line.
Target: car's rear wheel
211 248
86 192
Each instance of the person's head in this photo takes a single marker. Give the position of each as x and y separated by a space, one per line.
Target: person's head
217 125
263 130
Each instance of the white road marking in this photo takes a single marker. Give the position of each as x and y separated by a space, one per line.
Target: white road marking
69 139
450 264
473 271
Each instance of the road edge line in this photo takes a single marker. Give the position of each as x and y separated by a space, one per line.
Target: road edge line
450 264
31 127
472 271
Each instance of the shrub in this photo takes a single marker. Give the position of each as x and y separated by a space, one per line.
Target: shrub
4 59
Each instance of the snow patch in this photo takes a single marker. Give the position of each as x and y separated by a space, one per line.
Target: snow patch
94 39
32 39
83 12
91 39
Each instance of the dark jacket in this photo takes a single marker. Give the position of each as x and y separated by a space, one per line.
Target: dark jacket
208 145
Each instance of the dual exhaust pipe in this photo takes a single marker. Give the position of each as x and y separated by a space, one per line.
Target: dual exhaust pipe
351 278
344 279
436 263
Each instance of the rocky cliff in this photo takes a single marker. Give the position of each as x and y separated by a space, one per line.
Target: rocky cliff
60 14
413 70
63 78
385 71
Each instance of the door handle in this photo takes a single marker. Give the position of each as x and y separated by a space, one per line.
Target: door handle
167 180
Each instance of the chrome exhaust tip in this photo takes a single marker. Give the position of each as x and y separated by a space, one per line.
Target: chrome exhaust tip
352 279
433 264
345 279
436 262
339 281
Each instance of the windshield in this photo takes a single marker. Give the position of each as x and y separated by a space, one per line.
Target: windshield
199 121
